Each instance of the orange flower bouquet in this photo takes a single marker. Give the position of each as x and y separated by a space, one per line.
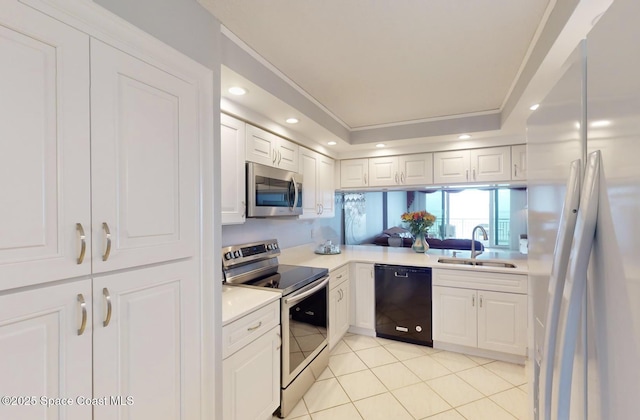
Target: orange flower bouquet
418 222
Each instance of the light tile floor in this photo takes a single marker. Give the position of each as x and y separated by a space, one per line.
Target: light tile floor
372 378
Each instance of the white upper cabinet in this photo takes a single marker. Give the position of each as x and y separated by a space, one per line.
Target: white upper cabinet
271 150
354 173
383 171
491 164
144 142
475 165
416 169
519 162
318 193
451 167
233 175
44 149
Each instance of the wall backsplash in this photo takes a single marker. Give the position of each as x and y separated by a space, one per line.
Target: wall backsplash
289 232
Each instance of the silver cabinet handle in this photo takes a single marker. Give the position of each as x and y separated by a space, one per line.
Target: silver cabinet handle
467 176
255 327
402 178
473 300
481 301
397 179
279 341
275 156
339 277
244 209
107 298
279 157
515 169
83 306
107 235
321 209
474 174
318 209
365 179
83 242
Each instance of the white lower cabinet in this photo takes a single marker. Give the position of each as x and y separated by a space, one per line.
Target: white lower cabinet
133 346
251 365
45 351
363 299
338 304
479 317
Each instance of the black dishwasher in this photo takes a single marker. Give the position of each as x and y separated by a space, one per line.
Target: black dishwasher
403 303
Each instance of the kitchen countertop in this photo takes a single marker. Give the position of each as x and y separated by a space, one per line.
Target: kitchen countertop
238 301
304 255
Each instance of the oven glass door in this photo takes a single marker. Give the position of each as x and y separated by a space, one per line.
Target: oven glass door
305 323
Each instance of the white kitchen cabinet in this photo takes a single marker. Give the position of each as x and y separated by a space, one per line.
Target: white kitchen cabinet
475 165
339 303
519 162
100 163
251 372
146 342
480 310
363 299
233 174
317 172
271 150
416 169
45 350
383 171
144 161
491 164
354 173
455 316
44 148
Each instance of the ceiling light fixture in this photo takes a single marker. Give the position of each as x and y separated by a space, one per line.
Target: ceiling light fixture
237 90
600 123
534 107
464 136
292 120
380 145
332 143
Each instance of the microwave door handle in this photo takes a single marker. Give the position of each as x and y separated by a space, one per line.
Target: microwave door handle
297 298
295 193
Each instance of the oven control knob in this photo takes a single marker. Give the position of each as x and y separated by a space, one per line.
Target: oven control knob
271 247
237 254
228 256
275 245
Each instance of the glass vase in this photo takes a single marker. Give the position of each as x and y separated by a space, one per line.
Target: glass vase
420 243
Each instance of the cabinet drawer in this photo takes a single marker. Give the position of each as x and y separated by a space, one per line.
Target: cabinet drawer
338 276
498 282
246 329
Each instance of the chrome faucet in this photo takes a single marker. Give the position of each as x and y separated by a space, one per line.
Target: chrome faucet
473 240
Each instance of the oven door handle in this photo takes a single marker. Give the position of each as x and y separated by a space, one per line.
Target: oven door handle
297 298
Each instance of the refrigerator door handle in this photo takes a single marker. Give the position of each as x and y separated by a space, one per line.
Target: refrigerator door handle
575 285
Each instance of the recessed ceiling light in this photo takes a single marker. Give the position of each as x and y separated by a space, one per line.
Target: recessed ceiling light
534 107
292 120
380 145
332 143
464 136
600 123
237 90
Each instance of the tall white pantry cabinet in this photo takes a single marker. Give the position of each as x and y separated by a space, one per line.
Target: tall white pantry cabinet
100 274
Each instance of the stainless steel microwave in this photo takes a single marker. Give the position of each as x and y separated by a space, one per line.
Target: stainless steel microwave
273 192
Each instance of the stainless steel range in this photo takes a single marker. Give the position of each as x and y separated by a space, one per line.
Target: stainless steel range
304 311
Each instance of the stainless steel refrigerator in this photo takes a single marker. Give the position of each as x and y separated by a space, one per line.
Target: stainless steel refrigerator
594 107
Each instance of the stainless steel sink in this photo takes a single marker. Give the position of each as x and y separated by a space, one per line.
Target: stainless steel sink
482 263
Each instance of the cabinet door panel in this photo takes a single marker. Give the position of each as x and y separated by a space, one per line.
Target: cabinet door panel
144 161
150 348
363 297
383 171
44 147
451 166
233 170
261 146
354 173
251 379
41 353
454 316
491 164
519 162
416 169
309 168
326 190
287 155
502 322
